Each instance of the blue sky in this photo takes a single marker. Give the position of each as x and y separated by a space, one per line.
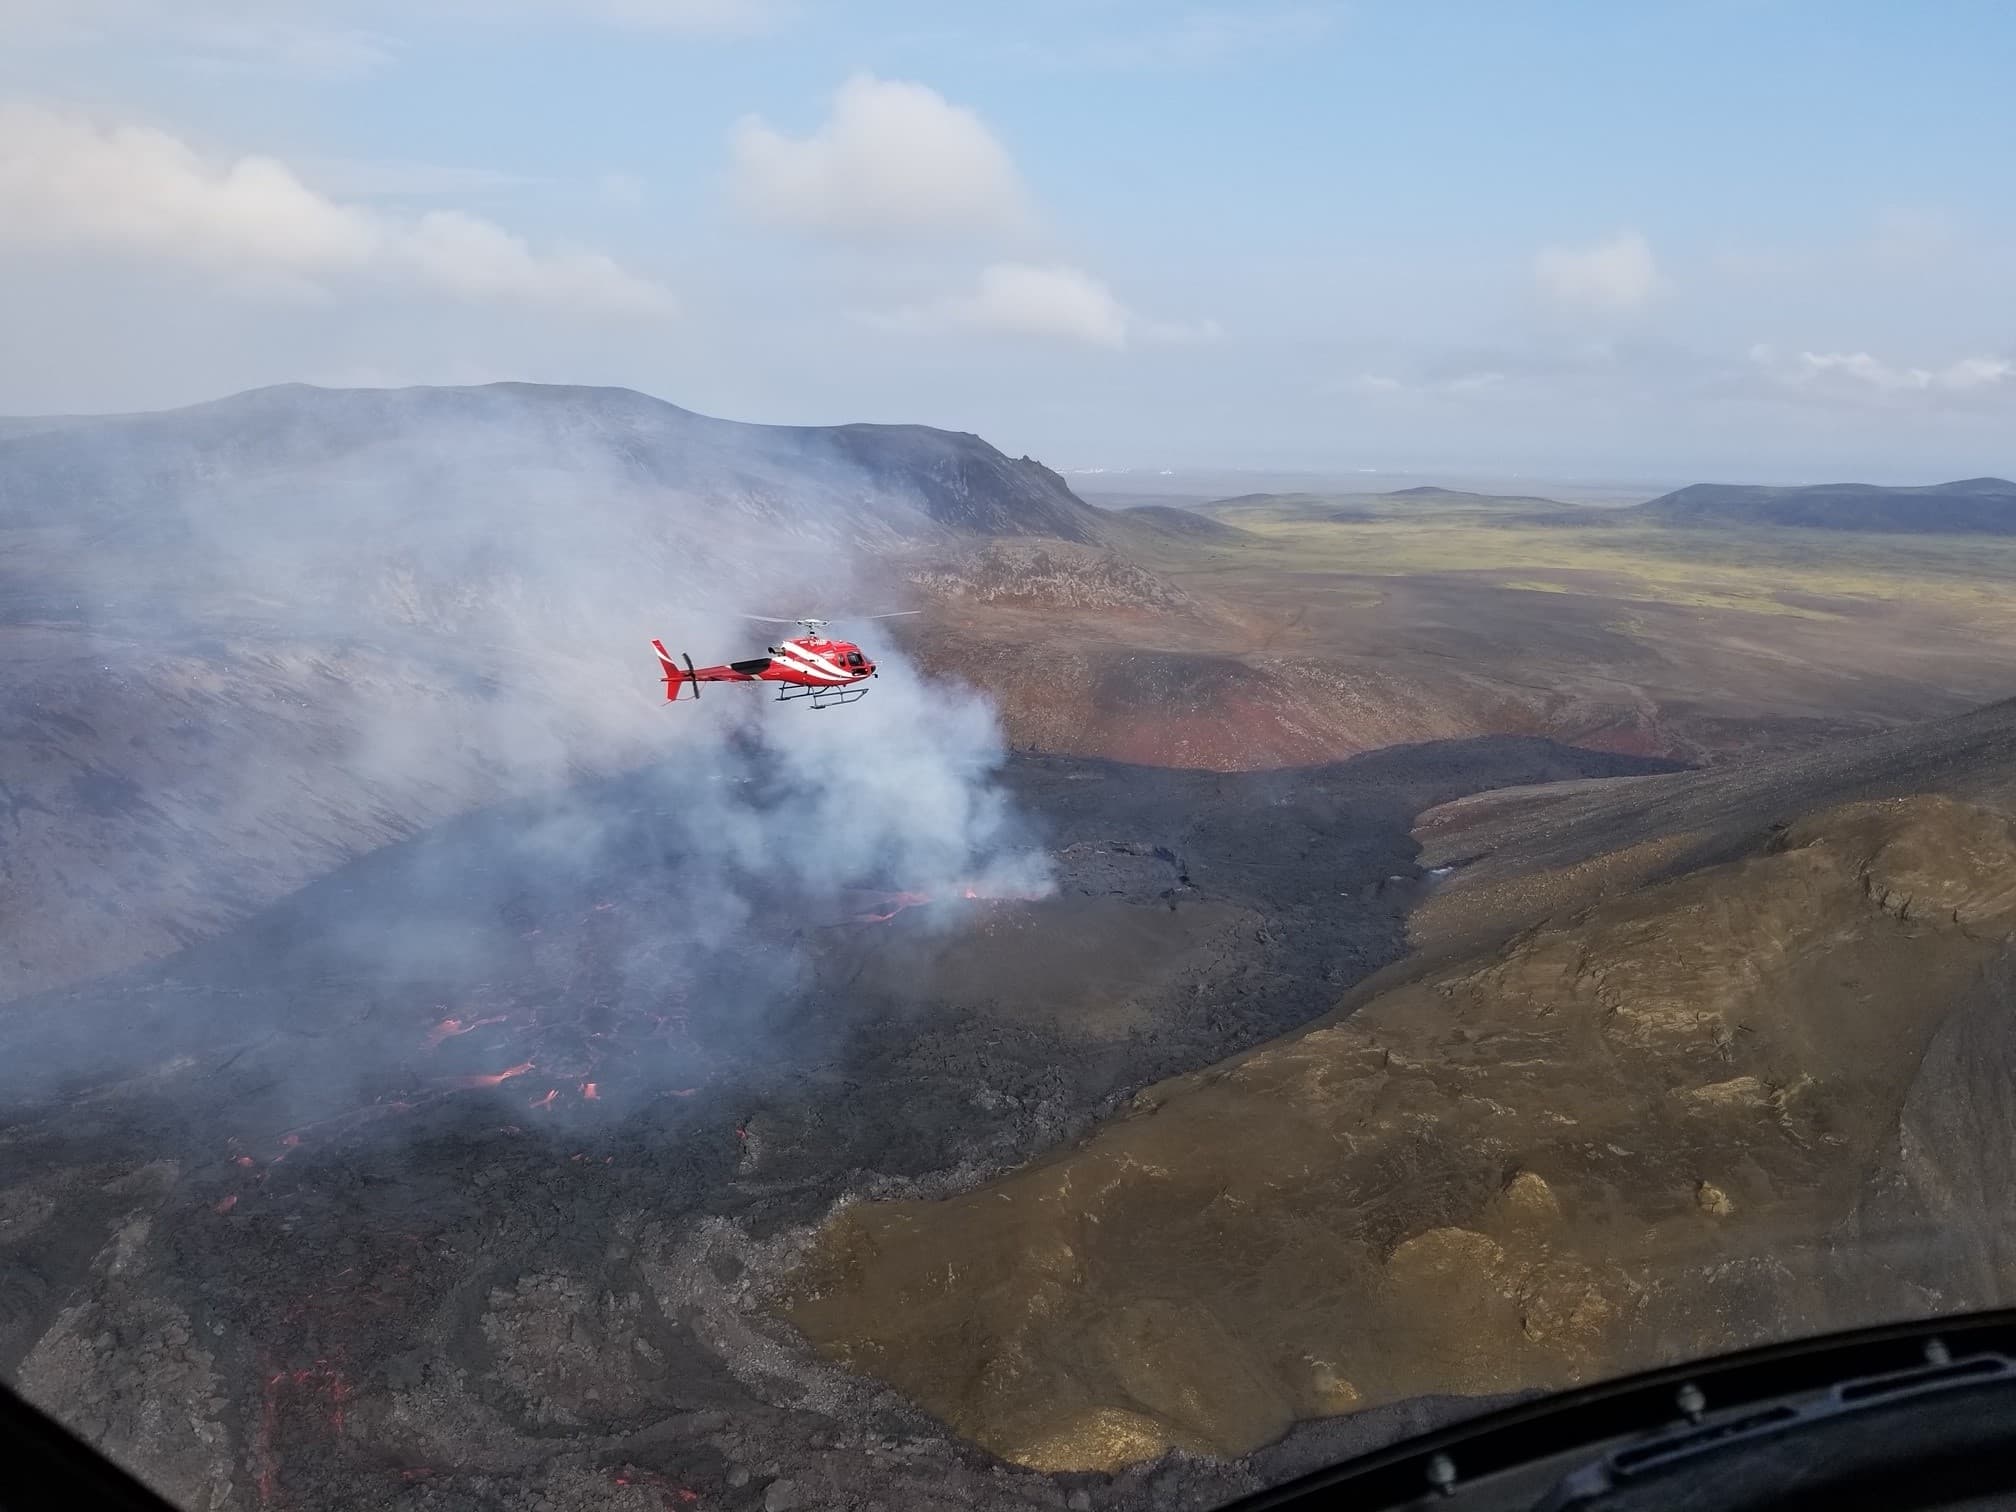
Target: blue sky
1717 238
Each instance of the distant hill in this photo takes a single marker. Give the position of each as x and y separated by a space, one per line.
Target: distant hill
1264 500
1429 494
1169 520
1981 506
461 447
1366 508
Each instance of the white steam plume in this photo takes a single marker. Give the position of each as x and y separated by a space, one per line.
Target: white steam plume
367 613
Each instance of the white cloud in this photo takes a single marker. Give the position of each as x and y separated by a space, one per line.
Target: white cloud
395 178
1047 302
68 183
1847 373
1977 372
1024 299
892 159
477 259
1614 275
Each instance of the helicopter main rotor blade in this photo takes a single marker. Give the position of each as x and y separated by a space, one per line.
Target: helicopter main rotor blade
806 619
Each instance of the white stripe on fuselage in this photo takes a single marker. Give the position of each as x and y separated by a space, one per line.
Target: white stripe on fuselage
825 672
816 659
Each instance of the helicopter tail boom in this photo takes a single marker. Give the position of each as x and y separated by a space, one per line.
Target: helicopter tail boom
677 676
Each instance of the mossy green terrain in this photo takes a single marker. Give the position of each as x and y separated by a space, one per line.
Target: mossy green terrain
1338 623
1767 570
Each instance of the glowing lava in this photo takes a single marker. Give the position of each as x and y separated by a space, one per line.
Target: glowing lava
448 1028
969 892
897 903
670 1492
494 1078
578 1042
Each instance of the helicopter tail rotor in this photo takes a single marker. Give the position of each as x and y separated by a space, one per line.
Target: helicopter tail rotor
674 678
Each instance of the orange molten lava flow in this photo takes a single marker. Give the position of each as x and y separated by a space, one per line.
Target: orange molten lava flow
546 1101
449 1027
495 1079
670 1492
590 1091
897 903
970 892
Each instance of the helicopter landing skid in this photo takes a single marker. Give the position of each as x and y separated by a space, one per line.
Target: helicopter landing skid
823 698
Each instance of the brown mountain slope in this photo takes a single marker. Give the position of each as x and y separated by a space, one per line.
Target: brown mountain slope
1661 1126
1526 852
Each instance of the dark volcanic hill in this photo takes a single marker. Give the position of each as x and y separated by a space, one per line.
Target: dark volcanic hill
1972 505
244 641
146 472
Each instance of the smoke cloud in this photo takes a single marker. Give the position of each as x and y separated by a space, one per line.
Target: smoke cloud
340 620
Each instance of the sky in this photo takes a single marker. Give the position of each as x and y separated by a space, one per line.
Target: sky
1712 238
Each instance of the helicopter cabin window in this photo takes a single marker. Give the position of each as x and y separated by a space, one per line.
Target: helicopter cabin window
854 659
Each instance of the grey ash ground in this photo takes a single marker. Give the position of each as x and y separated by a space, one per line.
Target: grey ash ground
258 1242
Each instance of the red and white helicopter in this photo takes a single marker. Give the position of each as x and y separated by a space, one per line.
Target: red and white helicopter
806 666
